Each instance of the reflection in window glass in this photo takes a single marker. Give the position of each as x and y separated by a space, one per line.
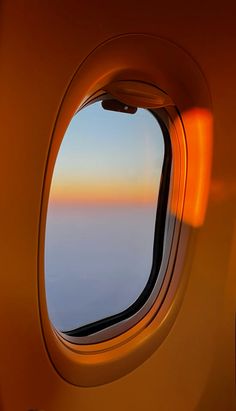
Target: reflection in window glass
101 215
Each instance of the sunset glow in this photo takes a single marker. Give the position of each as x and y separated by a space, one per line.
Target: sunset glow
100 193
113 158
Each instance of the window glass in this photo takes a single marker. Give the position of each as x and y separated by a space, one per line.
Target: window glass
101 215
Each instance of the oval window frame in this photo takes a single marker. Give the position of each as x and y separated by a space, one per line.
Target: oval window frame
95 364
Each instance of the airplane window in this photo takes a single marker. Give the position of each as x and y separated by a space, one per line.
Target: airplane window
102 215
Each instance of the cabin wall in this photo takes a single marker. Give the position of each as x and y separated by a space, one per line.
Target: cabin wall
42 46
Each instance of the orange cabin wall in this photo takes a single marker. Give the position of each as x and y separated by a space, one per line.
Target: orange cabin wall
42 45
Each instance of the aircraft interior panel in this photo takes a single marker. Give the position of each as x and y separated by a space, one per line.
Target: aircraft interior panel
171 347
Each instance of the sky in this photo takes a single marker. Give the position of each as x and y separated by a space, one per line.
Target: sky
101 215
108 156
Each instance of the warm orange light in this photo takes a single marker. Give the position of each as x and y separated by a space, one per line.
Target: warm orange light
198 128
103 194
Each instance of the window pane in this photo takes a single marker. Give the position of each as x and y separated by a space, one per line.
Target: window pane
101 215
